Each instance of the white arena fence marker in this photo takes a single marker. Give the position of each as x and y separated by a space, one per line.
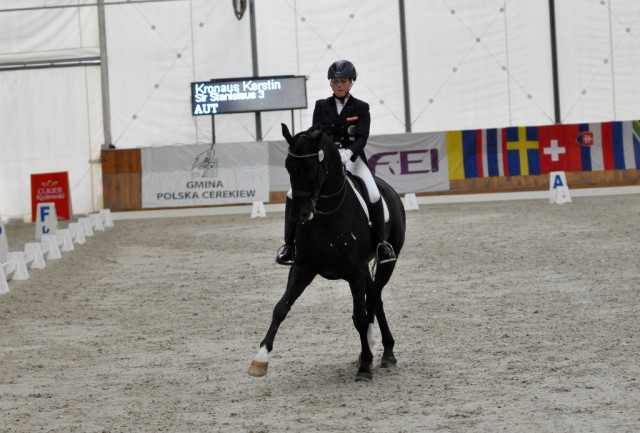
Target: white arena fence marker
4 287
558 188
85 223
410 202
77 233
29 257
4 244
258 210
96 222
107 221
13 264
9 268
50 248
35 249
46 220
64 240
21 272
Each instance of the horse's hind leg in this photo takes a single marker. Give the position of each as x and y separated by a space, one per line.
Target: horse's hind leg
383 275
298 280
388 358
361 323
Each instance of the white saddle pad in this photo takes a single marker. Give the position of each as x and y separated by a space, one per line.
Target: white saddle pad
363 203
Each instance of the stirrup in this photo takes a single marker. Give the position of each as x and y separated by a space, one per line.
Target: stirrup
286 255
385 253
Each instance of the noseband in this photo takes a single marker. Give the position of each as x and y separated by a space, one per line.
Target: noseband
315 196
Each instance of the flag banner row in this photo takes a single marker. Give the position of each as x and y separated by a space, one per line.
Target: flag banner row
524 151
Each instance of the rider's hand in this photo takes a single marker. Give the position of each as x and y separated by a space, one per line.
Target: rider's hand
345 155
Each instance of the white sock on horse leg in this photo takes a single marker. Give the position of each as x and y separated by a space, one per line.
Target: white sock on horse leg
263 355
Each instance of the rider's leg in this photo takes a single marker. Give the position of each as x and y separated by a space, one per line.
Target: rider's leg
384 250
286 254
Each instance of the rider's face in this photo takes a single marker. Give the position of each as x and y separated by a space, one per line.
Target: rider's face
340 86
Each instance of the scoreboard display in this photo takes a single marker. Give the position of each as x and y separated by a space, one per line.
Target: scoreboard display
243 95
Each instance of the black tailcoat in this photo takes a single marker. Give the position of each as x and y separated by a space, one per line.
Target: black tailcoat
350 128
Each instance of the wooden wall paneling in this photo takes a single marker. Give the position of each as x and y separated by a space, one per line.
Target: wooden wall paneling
122 179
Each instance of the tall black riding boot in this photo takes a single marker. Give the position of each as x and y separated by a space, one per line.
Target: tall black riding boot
287 253
384 251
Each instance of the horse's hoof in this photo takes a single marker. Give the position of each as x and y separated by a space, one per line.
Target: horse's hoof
258 369
388 361
364 377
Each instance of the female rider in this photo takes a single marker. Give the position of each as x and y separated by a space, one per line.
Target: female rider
348 120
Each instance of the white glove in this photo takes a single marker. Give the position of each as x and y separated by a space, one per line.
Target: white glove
345 155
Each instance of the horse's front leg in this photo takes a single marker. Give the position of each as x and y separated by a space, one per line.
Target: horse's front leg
361 322
299 279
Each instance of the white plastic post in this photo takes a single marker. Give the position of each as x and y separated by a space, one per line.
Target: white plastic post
4 287
77 233
50 247
21 272
96 222
4 244
410 202
258 210
64 240
28 259
9 267
35 248
106 217
85 222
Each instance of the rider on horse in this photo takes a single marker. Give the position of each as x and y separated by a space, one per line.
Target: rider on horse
348 120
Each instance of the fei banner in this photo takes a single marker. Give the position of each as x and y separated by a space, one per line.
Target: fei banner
204 175
410 162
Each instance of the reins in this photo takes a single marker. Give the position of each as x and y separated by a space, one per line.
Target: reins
316 195
344 195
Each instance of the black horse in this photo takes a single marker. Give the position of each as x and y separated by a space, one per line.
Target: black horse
334 240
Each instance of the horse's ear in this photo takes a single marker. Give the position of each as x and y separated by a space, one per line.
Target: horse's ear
286 134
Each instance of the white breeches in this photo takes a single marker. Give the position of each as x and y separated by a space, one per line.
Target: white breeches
360 169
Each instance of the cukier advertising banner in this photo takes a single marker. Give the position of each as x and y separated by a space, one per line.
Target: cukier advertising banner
204 175
51 188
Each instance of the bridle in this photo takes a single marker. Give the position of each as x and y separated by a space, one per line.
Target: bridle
315 196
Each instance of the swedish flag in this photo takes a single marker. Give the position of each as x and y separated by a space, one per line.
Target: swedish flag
523 155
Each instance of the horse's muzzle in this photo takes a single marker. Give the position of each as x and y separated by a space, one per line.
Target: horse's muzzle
302 212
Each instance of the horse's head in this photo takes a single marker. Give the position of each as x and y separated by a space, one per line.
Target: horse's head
313 162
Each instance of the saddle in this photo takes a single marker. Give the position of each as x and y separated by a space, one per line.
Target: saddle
358 187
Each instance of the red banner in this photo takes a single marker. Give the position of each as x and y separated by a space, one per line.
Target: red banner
51 188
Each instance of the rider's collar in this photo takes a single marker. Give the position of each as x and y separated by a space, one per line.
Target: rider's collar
342 100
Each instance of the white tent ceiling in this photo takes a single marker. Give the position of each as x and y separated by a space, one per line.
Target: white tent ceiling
470 65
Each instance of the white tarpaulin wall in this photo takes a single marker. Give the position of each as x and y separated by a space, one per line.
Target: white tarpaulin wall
471 65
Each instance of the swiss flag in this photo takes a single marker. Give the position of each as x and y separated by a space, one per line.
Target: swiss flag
559 148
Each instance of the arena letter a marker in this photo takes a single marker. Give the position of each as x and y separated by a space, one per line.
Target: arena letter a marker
558 188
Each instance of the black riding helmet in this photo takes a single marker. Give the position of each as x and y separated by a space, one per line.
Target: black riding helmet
342 69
